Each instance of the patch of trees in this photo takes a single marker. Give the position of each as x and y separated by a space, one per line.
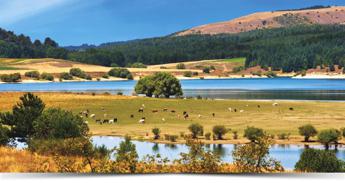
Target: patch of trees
120 73
21 46
160 84
77 72
10 78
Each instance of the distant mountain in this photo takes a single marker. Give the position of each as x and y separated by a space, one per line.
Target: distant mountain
316 15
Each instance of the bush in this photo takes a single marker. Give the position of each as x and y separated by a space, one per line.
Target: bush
307 131
180 66
120 73
196 130
10 78
253 134
187 74
206 70
66 76
106 76
4 135
235 135
328 136
219 131
156 132
33 74
137 65
208 136
283 136
47 76
343 132
79 73
313 160
237 69
56 123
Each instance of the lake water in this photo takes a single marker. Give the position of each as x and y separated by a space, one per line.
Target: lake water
260 88
288 155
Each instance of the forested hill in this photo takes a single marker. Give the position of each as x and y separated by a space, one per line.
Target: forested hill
291 49
20 46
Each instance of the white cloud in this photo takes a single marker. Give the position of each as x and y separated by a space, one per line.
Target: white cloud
12 11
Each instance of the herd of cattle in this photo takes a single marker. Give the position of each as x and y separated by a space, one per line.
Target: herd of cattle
185 114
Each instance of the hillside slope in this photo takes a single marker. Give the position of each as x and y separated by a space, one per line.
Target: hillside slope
274 19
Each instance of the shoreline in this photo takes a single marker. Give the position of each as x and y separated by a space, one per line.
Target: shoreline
31 81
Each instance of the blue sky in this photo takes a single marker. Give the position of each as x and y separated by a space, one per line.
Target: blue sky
73 22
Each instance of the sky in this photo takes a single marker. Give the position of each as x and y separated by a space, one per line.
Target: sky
74 22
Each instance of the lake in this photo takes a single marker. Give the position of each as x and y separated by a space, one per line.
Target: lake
288 155
258 88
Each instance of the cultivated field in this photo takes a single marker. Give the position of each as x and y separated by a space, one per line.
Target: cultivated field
274 119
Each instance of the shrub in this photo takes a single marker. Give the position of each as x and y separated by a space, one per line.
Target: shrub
106 76
195 73
47 76
137 65
163 67
313 160
206 70
127 153
235 135
283 136
328 136
343 132
196 130
307 131
33 74
256 73
187 74
119 93
208 136
253 134
66 76
121 73
180 66
219 131
173 138
10 78
56 123
79 73
4 135
156 132
254 157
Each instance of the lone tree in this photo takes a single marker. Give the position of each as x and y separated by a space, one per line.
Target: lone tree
196 130
307 131
253 134
159 84
219 131
326 137
59 124
24 113
156 132
314 160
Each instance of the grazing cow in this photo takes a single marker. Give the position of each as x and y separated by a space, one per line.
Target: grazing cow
247 105
115 120
186 116
184 112
241 110
142 105
235 110
154 111
86 115
291 108
172 111
213 114
92 115
199 116
141 110
163 119
165 110
106 121
98 121
230 109
132 116
259 106
86 122
275 104
111 121
143 118
142 121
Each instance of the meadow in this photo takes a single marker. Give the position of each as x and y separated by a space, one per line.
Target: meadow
286 117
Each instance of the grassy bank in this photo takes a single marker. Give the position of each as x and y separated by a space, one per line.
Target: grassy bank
274 119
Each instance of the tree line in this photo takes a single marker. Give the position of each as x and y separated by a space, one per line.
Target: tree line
294 48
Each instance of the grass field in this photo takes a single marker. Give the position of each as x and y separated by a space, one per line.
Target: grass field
275 120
